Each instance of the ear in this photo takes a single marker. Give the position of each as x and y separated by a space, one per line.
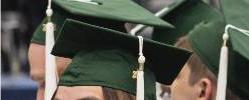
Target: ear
204 89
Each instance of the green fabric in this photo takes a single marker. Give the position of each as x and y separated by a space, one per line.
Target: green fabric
164 60
118 10
184 15
208 51
237 14
39 34
109 68
59 17
206 37
206 40
111 14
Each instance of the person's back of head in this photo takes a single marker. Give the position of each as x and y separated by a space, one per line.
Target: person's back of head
200 74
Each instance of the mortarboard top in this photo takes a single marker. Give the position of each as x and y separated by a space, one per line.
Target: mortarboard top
110 14
115 10
78 39
184 15
235 13
206 40
58 18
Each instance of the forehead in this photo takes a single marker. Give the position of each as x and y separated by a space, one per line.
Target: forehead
79 93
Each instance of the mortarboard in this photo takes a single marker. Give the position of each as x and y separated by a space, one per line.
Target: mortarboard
107 13
184 15
115 10
207 38
237 33
105 57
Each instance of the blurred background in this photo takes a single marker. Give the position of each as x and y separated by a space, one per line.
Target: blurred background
19 18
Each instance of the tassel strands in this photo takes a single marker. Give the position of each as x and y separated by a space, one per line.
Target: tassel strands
50 64
140 72
222 75
223 65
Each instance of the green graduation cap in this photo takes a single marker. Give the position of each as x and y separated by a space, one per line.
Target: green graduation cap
117 10
107 13
235 14
207 38
105 57
184 15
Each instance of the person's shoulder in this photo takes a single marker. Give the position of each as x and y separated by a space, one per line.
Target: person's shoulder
39 35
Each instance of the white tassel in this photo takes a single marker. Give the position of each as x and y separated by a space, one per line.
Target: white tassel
243 31
223 66
140 73
87 1
162 12
140 85
222 75
50 64
136 29
139 27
